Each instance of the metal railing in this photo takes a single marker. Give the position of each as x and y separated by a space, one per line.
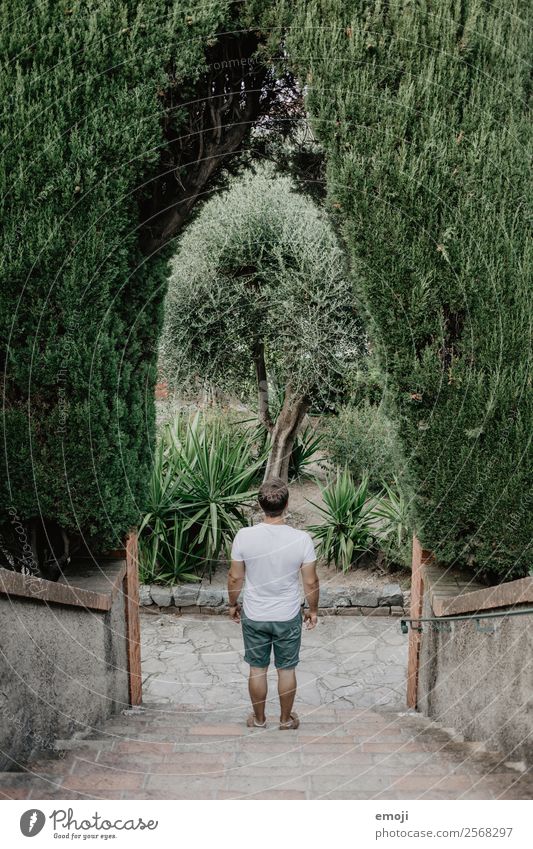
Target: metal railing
444 623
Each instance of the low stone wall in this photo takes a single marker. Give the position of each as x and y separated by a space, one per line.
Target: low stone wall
200 598
63 656
477 676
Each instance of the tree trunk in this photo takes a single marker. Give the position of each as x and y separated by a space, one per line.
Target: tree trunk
283 435
263 406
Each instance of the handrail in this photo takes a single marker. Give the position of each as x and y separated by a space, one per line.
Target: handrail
437 620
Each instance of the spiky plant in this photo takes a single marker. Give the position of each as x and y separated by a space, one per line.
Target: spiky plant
349 522
203 477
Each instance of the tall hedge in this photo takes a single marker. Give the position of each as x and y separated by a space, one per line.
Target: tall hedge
422 109
92 93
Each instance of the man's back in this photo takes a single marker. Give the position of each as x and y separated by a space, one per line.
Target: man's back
273 555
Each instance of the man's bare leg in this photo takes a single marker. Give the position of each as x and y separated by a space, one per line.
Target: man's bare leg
257 687
287 692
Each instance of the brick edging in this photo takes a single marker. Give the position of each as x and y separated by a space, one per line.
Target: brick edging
456 595
72 590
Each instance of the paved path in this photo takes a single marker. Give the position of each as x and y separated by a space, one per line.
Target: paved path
354 661
356 741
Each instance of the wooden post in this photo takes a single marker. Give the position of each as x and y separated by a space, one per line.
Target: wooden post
420 557
133 628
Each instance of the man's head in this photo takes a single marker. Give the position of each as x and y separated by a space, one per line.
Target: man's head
273 497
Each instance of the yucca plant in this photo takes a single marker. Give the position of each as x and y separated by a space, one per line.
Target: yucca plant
303 452
215 483
349 525
164 555
164 538
395 531
202 478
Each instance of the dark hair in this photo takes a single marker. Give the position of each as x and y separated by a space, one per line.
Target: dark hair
273 496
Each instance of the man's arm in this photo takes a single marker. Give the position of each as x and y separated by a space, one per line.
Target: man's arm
235 582
311 592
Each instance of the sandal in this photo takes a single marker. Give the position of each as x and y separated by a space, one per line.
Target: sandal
252 722
293 723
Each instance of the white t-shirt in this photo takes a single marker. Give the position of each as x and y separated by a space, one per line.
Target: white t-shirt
273 555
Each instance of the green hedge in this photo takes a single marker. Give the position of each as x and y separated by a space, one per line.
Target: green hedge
422 110
88 89
363 439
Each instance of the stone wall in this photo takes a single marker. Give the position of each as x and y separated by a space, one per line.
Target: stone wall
477 675
63 657
203 598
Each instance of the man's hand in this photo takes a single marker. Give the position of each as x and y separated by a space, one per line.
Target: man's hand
310 619
235 582
312 593
235 613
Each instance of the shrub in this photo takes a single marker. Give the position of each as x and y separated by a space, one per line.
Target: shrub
423 111
363 439
366 383
394 534
349 527
96 176
203 476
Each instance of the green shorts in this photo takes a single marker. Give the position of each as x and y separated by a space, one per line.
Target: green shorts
261 637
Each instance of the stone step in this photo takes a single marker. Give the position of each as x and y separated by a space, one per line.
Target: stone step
176 752
88 743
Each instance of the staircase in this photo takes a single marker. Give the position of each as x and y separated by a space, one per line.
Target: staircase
181 752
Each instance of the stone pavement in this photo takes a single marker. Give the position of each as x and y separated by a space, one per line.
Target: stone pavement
189 741
356 661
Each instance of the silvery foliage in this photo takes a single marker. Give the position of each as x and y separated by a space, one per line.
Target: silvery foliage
260 263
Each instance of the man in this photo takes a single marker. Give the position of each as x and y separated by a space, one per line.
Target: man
272 555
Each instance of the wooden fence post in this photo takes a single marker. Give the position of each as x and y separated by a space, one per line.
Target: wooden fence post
420 557
133 629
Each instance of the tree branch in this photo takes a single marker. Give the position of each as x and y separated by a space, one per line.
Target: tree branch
234 90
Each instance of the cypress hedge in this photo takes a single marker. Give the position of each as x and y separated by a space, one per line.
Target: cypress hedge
422 109
102 113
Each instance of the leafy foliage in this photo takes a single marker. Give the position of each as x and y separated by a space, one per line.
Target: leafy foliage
349 526
104 123
422 110
363 439
260 264
202 478
395 534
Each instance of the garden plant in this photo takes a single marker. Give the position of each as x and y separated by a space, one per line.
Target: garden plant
202 479
259 284
120 118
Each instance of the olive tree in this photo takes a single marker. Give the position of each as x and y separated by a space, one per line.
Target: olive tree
259 287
